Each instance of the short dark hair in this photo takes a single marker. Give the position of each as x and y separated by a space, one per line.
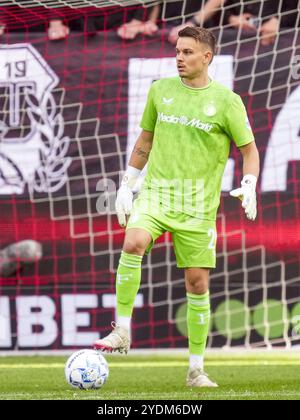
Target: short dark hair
201 35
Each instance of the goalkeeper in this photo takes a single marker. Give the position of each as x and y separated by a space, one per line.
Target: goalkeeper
187 127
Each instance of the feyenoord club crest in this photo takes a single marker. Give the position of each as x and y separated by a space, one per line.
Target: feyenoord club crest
33 147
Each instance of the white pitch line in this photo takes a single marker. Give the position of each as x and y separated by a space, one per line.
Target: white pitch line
158 364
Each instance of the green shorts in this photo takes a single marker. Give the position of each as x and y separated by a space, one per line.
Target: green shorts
194 239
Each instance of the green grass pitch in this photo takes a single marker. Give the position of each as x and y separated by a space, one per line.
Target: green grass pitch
157 377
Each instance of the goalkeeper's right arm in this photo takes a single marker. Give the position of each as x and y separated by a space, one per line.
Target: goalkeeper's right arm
137 161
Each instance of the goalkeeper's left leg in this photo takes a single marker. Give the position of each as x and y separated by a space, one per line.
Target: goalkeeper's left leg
198 319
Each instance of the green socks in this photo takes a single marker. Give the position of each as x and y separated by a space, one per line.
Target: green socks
198 316
128 283
198 306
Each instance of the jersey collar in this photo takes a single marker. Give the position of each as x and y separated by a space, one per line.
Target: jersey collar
196 89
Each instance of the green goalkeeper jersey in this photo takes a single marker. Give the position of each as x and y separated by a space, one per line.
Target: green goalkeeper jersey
193 128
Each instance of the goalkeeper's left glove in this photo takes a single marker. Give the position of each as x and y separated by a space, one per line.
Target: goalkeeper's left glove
246 193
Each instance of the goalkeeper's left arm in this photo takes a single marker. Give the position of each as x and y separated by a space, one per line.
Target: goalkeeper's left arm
247 192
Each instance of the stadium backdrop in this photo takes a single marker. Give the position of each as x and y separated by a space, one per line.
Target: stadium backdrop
76 114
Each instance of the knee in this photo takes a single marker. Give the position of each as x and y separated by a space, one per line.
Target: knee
197 284
134 247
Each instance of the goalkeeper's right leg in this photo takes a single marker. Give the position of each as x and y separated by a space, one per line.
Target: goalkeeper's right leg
117 340
127 286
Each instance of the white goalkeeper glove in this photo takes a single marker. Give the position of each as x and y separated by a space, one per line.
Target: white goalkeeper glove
246 193
124 198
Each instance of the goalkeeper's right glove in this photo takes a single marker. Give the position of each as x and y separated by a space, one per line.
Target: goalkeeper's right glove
124 198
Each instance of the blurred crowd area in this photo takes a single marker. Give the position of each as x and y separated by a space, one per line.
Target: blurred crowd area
266 18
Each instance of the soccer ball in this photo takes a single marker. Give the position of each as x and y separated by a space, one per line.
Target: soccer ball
86 369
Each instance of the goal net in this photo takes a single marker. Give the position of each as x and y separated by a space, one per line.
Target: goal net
69 116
